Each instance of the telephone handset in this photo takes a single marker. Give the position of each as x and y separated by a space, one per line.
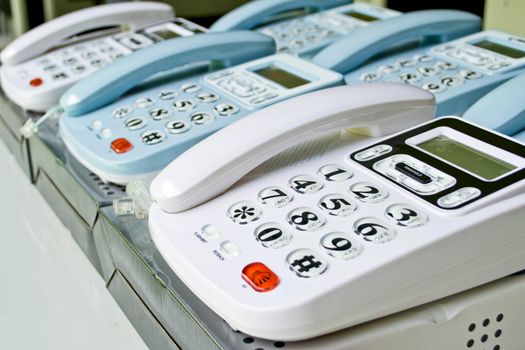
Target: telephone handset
138 134
259 12
458 72
502 109
307 32
254 140
60 31
40 65
354 233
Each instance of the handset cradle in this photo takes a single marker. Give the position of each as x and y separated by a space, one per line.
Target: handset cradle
383 108
256 13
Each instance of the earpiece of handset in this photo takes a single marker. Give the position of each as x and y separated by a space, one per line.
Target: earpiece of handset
502 109
383 107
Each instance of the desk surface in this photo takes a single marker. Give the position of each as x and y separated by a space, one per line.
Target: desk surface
50 295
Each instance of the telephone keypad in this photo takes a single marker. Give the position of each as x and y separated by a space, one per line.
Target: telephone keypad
305 221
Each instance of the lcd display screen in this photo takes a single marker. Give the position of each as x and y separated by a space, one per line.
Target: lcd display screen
468 158
166 34
501 49
281 76
361 16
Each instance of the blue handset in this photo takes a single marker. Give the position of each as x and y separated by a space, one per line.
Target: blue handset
107 85
305 32
502 109
141 132
458 72
255 13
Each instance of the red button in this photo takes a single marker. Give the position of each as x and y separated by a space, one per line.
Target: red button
260 277
35 82
121 145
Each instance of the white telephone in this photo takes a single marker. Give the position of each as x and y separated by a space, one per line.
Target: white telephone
331 234
40 65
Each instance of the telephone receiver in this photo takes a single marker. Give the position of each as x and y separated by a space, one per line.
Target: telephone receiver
502 109
256 13
108 83
362 44
74 26
376 109
101 88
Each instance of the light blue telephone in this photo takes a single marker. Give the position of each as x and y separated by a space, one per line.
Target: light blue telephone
302 27
458 72
122 139
502 109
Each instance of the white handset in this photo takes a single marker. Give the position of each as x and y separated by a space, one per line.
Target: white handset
213 165
62 30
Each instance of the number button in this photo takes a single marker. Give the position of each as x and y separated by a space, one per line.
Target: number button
244 212
190 88
306 263
374 230
272 235
337 205
177 126
159 113
201 118
332 172
305 184
70 61
152 137
167 94
137 123
207 97
405 215
121 112
226 109
369 77
144 102
183 105
368 193
305 219
80 68
275 196
410 77
59 76
341 246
